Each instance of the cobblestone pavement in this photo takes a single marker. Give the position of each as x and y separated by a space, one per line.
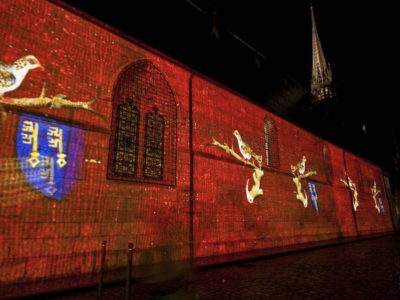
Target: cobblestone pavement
363 270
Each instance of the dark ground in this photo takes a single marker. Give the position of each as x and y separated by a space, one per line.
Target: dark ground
368 269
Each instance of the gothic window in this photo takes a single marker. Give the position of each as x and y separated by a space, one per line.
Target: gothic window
143 127
360 180
127 138
271 143
154 145
328 164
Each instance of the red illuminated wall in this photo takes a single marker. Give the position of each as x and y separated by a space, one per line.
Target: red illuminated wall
368 222
45 237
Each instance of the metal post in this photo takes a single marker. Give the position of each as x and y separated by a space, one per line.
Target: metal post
129 271
102 264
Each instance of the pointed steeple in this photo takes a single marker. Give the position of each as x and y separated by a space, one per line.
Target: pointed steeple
321 81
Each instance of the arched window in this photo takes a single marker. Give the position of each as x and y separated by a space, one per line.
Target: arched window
126 139
271 143
328 164
143 127
360 180
154 146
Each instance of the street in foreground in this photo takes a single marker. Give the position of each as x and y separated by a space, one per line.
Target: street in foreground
362 270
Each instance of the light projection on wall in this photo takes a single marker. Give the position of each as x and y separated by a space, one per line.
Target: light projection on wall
46 151
299 172
313 194
57 203
247 154
353 188
382 210
11 77
59 101
375 193
377 199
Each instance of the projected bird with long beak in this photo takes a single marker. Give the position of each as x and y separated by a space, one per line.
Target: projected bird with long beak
298 172
11 76
247 154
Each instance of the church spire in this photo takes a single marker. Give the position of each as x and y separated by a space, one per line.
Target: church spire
321 80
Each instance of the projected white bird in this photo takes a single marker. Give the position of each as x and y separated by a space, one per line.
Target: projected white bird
11 76
245 149
301 166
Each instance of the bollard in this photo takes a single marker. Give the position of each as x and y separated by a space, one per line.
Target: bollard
102 264
129 271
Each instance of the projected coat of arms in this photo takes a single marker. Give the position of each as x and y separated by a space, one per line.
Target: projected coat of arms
313 194
47 153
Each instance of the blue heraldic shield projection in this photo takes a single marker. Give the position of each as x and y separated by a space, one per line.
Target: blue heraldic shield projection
49 154
381 205
313 194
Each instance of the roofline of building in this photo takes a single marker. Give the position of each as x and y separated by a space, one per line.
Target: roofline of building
164 56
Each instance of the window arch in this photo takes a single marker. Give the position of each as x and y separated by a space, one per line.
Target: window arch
328 164
143 128
271 143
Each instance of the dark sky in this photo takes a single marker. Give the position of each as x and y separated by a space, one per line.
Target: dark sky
357 38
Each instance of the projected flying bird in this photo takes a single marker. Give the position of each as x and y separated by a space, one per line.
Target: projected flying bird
12 76
301 166
245 149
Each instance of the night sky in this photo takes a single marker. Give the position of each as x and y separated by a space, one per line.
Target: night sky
357 38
